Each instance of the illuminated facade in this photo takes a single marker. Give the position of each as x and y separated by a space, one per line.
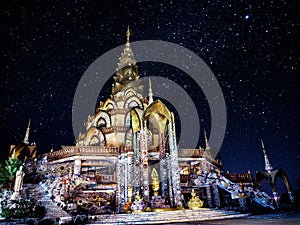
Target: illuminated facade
127 160
128 138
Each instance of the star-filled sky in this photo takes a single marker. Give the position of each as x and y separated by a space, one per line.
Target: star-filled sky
252 48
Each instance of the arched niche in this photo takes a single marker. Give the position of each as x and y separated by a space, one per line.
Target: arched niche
130 92
132 102
158 115
102 116
94 137
135 121
109 104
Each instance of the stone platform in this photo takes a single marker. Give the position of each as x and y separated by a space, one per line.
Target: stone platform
164 217
176 216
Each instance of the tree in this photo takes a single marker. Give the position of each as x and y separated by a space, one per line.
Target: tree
8 169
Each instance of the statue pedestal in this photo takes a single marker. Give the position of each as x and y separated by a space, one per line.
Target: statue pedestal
137 206
15 196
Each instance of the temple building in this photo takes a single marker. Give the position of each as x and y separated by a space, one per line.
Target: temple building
127 160
129 137
271 176
24 150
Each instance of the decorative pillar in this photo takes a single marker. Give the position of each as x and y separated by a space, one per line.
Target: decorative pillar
242 204
144 164
118 191
209 197
275 194
216 195
77 167
168 163
130 171
137 164
121 183
163 177
163 166
125 173
291 196
174 163
162 150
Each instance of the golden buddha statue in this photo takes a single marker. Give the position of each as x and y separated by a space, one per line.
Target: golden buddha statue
194 203
155 182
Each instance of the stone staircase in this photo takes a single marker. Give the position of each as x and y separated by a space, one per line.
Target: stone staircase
176 216
34 191
53 211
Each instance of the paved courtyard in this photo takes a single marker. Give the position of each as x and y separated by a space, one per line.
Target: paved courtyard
278 219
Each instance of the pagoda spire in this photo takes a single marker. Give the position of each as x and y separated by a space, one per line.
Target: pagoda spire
206 141
128 35
268 166
127 57
150 93
26 138
127 69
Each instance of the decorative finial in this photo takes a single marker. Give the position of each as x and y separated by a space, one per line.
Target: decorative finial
262 144
128 33
206 141
268 166
26 138
150 92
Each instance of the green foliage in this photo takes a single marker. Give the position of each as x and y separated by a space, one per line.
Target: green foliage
8 169
22 209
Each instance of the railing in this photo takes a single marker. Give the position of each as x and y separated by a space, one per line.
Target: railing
105 179
65 152
112 151
240 177
82 150
98 150
190 153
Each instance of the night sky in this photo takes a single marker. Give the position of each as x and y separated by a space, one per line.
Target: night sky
252 47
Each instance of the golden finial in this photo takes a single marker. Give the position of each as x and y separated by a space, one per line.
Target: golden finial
150 92
206 140
26 138
128 34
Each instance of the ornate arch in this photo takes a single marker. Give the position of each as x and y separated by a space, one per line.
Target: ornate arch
271 178
102 115
135 120
133 99
109 104
261 176
94 134
282 175
158 112
128 91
